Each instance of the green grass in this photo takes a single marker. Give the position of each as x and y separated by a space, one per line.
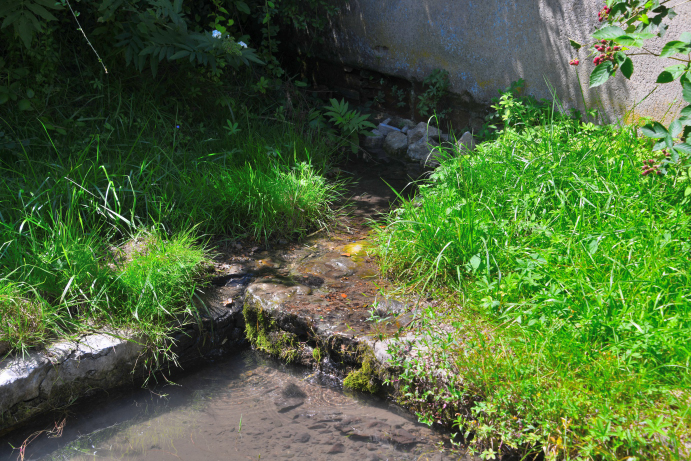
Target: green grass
573 293
103 217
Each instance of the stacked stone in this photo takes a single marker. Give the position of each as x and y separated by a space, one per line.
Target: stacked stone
415 143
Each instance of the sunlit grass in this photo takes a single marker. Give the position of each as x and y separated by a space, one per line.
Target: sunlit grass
573 290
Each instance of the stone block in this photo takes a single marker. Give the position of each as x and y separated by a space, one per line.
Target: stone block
396 144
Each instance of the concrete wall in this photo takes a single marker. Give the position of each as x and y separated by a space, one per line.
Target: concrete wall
487 44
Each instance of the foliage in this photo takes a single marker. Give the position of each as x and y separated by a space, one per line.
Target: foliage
96 228
344 124
625 27
571 270
437 85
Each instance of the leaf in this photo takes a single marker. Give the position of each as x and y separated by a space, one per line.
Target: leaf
178 55
627 68
686 91
601 74
685 37
347 255
654 130
40 11
576 46
24 104
683 147
609 33
242 6
675 128
475 262
4 97
685 116
628 40
672 48
671 73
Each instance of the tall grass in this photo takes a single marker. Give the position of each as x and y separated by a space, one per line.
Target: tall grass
106 229
574 271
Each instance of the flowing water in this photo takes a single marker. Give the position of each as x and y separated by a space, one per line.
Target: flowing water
243 408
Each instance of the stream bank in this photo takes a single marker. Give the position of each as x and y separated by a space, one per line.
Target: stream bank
310 303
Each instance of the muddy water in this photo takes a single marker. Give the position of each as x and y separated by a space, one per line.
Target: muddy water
244 408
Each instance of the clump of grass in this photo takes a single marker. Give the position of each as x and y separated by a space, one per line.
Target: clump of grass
26 317
68 198
573 274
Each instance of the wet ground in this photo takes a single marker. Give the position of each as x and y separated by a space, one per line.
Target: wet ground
244 408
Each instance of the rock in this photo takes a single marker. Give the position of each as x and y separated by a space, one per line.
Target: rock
336 448
466 144
293 391
286 404
396 144
373 142
420 151
423 131
302 438
385 129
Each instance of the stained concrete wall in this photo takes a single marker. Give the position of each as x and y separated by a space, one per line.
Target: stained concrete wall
487 44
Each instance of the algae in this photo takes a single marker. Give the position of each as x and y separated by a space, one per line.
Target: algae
364 379
265 336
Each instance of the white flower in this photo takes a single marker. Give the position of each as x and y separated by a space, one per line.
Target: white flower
216 34
242 44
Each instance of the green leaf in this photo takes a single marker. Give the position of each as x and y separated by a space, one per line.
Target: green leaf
685 37
24 104
179 54
619 58
242 6
675 128
686 91
672 48
671 73
609 33
4 97
683 147
601 74
654 130
575 44
685 116
628 40
40 11
627 68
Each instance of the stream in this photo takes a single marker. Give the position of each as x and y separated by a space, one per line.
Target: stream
247 407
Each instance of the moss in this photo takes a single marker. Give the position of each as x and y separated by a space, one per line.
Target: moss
364 379
265 336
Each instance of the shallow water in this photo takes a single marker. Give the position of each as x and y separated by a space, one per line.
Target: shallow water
244 408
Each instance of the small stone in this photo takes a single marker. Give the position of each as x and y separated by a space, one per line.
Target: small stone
423 131
336 448
396 144
302 438
466 144
373 142
385 129
284 405
421 150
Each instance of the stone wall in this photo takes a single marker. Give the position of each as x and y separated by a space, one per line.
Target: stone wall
485 45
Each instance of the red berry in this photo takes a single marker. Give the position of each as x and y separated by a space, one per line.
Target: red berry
574 62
